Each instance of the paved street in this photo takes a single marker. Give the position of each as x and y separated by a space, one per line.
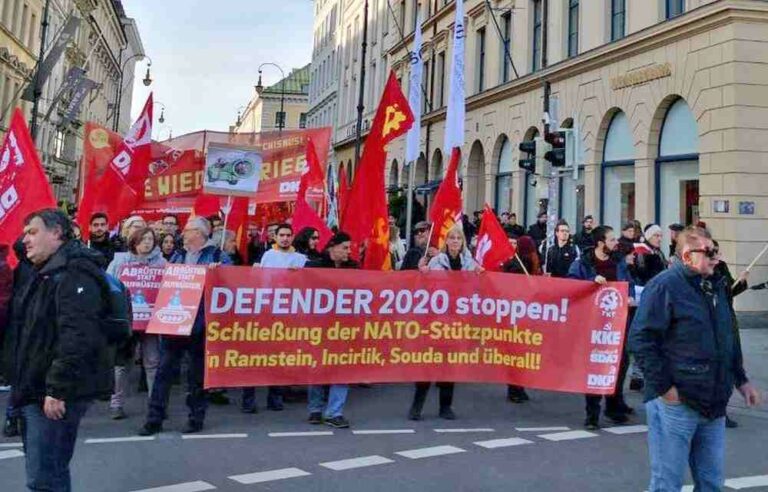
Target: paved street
494 445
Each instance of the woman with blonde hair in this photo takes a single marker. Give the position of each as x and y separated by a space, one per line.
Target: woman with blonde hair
454 256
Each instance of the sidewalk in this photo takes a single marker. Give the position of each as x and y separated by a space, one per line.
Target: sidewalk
753 320
754 344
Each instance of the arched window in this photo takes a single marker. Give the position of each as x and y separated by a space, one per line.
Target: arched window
504 177
618 177
677 168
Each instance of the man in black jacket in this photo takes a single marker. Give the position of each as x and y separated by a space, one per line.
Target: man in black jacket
562 253
56 352
419 249
538 231
584 238
99 236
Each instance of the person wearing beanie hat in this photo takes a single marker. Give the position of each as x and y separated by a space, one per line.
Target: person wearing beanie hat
651 264
336 255
198 250
129 226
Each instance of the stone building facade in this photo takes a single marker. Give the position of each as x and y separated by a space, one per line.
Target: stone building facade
669 99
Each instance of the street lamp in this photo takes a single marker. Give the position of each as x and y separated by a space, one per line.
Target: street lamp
260 88
162 111
147 82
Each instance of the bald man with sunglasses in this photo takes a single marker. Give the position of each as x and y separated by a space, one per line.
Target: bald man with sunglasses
683 338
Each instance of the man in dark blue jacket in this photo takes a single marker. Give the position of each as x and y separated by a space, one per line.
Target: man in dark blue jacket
601 265
198 250
683 339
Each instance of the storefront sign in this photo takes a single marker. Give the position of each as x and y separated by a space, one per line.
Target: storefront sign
641 76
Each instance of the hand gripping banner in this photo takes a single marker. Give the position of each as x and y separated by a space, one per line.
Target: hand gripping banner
313 326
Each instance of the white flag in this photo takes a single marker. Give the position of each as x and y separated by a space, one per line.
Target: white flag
414 97
454 124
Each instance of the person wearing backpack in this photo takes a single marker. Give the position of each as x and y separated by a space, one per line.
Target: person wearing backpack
58 360
198 250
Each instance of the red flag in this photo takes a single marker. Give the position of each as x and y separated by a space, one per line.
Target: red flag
206 205
493 247
366 215
237 221
304 215
446 209
122 188
23 185
99 148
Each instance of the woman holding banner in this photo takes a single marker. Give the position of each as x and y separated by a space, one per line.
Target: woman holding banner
142 250
455 256
525 262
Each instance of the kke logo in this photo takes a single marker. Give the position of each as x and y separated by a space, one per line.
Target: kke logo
609 300
394 118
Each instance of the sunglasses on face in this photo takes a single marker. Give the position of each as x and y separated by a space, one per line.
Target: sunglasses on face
709 253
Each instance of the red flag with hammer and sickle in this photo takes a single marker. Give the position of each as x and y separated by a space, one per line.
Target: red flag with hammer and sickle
365 215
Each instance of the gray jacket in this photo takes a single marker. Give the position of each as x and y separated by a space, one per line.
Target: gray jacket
441 262
155 258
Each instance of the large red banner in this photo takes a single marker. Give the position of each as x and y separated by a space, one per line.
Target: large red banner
312 326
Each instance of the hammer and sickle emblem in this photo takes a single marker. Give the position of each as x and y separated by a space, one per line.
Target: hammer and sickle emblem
381 232
393 119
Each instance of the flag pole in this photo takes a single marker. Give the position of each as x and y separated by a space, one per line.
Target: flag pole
409 204
429 240
757 258
226 218
525 270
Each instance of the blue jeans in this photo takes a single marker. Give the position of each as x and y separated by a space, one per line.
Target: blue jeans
49 445
172 349
678 435
337 397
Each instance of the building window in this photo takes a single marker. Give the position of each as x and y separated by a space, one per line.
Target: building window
416 7
440 80
303 120
506 46
480 59
400 20
618 18
618 174
280 119
573 27
536 35
674 8
58 144
504 178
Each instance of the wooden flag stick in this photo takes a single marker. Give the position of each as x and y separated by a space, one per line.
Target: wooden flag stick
517 257
757 258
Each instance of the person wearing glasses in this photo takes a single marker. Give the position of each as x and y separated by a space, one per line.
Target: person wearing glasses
306 241
683 338
420 247
198 250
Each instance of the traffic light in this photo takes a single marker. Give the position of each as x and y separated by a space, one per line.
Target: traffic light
529 163
556 156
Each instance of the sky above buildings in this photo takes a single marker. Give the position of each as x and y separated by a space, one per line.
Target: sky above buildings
205 55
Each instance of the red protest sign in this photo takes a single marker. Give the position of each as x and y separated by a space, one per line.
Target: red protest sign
143 282
280 327
178 300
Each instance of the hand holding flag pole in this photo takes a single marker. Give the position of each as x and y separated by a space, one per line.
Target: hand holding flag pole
757 258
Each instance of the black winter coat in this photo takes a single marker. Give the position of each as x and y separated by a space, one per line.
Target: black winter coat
56 346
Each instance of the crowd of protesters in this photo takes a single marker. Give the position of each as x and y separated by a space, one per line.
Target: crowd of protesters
58 359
